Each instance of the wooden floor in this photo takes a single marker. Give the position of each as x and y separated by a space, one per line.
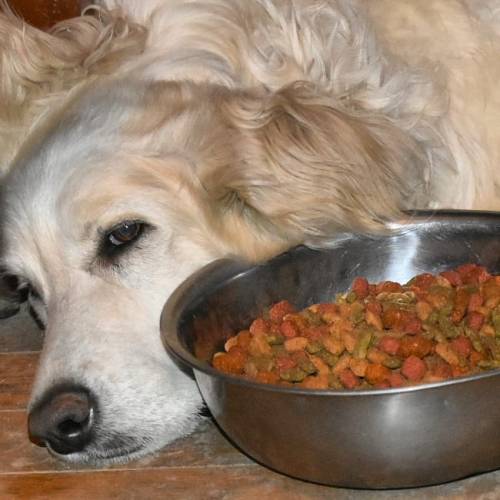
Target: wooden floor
203 466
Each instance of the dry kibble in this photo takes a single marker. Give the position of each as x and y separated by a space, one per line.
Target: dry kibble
382 336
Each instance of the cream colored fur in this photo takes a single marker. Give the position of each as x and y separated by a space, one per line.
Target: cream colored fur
231 127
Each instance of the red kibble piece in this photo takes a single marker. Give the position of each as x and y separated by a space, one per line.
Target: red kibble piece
476 357
348 379
465 269
396 380
361 288
327 308
475 321
483 275
389 287
285 363
413 369
424 281
453 277
475 302
473 274
259 327
400 320
438 367
458 371
462 345
288 329
412 326
389 345
374 307
316 332
461 304
279 310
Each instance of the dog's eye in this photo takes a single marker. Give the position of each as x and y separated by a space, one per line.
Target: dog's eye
120 239
125 233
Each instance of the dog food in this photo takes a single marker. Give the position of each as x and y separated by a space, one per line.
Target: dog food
376 336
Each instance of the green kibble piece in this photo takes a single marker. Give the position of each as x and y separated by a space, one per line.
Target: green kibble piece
307 366
263 364
351 297
334 382
278 349
392 362
358 313
314 347
329 358
439 336
477 345
433 318
446 310
489 364
275 339
448 328
361 348
495 319
340 298
293 375
314 319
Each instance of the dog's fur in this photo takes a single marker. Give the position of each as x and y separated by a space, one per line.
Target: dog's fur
236 127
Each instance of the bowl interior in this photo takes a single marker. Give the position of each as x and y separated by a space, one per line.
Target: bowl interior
224 298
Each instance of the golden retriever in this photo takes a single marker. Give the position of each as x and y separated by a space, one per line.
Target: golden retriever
145 139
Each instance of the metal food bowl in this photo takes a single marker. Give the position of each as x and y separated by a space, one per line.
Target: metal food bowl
390 438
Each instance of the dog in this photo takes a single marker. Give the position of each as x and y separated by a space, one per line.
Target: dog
143 140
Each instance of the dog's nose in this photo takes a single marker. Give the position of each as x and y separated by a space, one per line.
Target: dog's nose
63 420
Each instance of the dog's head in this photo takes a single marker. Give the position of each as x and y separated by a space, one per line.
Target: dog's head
132 186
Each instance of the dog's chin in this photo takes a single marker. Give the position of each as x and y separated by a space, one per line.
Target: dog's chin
104 458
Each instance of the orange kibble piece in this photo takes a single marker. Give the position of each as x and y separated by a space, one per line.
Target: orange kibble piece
315 382
295 344
423 310
377 374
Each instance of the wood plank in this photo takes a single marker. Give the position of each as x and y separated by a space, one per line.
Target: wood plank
16 377
206 446
235 483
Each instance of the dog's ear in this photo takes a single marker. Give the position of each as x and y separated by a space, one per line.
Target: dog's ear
39 68
11 296
306 168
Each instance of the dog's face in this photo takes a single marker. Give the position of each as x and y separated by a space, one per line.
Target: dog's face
104 215
94 233
129 189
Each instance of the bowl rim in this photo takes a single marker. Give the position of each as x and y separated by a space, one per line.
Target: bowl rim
223 271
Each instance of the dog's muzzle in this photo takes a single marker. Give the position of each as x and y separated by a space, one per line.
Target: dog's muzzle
63 419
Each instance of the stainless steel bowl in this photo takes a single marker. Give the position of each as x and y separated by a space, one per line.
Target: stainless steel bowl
364 439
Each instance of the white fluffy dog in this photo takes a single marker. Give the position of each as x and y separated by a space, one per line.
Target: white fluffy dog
147 138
